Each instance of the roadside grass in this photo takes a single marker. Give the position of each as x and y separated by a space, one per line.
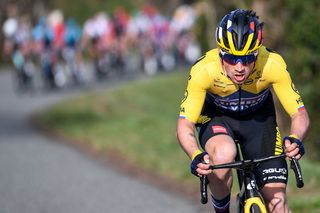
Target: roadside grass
138 120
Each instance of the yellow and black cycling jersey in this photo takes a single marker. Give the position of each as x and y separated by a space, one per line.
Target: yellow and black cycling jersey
209 84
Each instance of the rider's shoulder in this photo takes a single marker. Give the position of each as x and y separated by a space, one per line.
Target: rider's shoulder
205 68
271 57
209 56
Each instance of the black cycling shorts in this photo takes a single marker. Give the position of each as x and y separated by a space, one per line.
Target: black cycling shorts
258 136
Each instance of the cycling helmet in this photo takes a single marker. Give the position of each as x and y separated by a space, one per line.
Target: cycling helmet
239 32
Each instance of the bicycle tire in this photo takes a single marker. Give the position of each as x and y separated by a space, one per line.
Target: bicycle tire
255 209
255 205
239 204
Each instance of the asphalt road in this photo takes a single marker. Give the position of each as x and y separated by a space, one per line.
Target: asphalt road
39 175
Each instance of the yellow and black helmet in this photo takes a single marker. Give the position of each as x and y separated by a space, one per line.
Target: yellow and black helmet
239 32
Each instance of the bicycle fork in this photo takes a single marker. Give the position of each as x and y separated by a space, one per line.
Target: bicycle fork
249 199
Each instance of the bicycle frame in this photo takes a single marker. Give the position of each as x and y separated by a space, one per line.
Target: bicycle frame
249 195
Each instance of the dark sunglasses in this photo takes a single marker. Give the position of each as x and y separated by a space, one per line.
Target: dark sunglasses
234 59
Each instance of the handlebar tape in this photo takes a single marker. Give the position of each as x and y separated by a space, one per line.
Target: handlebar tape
295 166
203 189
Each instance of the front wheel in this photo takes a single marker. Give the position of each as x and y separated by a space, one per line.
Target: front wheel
255 209
239 204
254 205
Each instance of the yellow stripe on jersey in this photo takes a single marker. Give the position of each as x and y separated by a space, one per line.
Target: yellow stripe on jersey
279 144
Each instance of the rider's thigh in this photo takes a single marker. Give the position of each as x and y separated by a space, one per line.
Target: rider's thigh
221 149
275 197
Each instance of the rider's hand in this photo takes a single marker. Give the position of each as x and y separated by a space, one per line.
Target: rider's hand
199 164
294 147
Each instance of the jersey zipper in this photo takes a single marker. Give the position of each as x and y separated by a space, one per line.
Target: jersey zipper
239 101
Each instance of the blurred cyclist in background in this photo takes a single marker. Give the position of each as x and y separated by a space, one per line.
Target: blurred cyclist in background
71 52
146 42
96 36
18 47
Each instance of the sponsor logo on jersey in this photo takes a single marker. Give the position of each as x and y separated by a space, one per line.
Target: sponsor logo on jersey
247 101
203 119
248 81
299 101
219 83
294 88
185 96
219 129
280 177
275 171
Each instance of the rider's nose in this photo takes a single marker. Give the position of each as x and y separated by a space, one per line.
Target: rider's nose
239 66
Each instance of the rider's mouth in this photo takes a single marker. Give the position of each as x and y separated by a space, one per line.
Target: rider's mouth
239 77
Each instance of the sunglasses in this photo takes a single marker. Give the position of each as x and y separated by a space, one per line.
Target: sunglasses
234 59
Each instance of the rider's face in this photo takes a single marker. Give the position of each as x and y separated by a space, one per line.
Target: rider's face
238 73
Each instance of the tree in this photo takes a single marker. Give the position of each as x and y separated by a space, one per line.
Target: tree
303 49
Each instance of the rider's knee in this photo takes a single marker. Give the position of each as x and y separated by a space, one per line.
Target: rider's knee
223 156
221 149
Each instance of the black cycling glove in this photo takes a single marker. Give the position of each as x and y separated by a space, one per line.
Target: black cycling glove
294 139
196 160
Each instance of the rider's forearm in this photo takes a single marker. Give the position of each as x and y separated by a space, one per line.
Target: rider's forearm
186 137
300 124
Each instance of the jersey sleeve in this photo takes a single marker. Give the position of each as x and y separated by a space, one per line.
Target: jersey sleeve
192 103
284 87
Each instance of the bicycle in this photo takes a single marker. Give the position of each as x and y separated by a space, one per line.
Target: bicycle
249 199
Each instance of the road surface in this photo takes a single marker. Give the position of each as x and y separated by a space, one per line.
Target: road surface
39 175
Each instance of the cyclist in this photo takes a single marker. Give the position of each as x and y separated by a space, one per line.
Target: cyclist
229 98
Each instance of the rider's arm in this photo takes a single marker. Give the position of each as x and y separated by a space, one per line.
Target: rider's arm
300 124
293 104
186 136
190 109
283 86
299 127
187 139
